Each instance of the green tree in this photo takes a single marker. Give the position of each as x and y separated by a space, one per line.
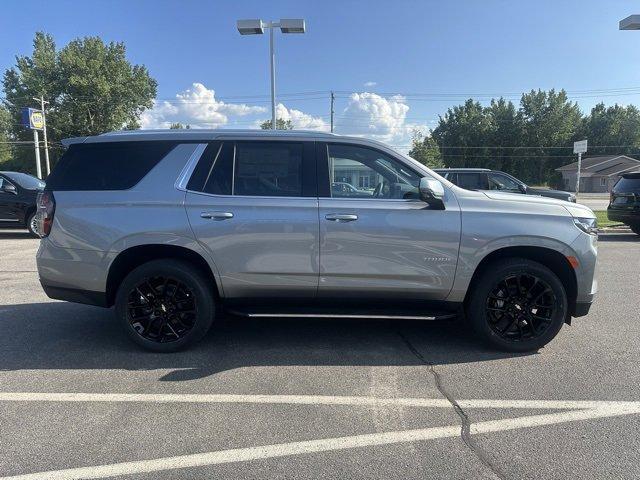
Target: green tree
280 124
612 130
425 150
5 137
550 122
504 136
91 88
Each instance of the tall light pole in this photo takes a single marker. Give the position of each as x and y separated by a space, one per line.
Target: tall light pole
256 27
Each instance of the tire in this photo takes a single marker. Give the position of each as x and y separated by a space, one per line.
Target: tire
31 225
635 229
517 317
179 297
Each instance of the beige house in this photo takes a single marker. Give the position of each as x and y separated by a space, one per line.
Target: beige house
598 174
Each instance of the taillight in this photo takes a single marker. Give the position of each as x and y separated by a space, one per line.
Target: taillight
612 197
46 208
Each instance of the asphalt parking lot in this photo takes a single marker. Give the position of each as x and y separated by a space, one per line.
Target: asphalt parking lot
316 398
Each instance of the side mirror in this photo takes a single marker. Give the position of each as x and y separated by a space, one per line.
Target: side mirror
432 192
523 188
9 188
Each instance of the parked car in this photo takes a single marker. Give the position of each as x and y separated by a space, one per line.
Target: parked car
624 201
173 228
18 192
486 179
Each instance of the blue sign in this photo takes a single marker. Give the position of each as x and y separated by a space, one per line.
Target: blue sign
32 118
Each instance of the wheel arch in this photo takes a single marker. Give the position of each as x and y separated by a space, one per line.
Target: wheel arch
550 258
137 255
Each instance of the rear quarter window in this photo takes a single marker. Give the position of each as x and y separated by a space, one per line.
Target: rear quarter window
106 166
628 184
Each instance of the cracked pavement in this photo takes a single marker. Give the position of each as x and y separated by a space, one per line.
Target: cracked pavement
48 346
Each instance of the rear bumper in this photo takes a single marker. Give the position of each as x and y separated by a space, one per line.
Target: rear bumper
628 217
74 295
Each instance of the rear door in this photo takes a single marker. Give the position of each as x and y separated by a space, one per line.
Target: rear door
382 242
253 205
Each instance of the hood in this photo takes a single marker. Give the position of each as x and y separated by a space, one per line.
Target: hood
548 191
518 197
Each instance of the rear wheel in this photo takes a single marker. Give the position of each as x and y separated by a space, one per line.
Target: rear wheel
635 229
165 305
517 305
32 224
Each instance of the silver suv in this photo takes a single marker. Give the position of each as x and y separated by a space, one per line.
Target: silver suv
174 228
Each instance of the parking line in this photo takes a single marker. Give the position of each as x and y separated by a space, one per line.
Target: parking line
363 401
323 445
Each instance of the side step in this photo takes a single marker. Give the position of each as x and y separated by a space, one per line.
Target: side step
444 316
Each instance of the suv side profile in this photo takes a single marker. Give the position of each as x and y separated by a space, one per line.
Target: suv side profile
173 228
624 201
486 179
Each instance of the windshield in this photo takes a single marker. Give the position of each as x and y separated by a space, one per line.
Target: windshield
26 181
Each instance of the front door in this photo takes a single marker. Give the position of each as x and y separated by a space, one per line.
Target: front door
382 241
9 211
253 206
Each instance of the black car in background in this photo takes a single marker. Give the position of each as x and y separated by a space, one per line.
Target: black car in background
18 193
486 179
624 201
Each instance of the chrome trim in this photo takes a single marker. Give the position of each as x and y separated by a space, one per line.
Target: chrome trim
185 174
326 315
9 220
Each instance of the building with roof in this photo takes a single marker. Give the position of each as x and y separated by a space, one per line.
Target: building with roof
598 174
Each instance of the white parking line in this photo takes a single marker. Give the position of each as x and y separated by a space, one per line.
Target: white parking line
307 400
572 411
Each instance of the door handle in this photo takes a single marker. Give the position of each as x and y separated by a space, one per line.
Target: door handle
341 217
217 215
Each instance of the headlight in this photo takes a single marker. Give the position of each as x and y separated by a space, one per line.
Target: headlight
587 225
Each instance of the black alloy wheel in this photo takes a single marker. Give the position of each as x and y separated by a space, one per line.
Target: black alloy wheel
517 305
161 309
520 307
165 305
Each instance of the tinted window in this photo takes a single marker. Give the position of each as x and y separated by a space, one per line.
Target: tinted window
106 166
497 181
628 184
471 181
359 172
26 181
214 170
268 169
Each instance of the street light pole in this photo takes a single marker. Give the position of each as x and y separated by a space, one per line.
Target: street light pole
273 77
256 27
44 133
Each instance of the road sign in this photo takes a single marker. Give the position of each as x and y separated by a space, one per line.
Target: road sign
32 119
580 147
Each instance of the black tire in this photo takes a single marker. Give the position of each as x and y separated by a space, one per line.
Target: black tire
517 305
179 297
31 226
635 229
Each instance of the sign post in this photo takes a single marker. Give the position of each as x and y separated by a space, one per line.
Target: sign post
34 120
579 148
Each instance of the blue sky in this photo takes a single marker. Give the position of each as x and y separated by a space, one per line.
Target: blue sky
366 50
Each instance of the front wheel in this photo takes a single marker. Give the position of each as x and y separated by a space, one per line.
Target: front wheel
165 305
517 305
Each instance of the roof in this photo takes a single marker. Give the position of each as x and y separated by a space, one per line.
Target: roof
602 166
197 134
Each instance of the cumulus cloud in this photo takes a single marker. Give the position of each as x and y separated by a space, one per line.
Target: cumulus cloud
300 119
196 106
370 84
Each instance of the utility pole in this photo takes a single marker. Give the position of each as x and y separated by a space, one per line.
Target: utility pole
333 98
44 134
36 143
579 148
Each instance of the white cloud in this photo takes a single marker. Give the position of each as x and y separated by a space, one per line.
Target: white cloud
370 84
300 119
196 106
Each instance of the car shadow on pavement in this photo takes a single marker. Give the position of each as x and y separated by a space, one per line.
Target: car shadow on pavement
58 335
619 237
15 235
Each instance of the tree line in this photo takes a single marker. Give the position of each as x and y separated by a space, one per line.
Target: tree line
529 141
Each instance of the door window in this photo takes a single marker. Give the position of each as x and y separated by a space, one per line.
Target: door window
472 180
359 172
502 182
